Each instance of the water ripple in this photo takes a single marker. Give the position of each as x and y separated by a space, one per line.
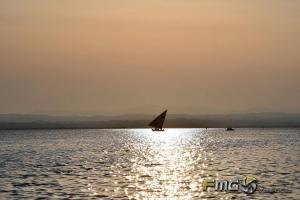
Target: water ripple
140 164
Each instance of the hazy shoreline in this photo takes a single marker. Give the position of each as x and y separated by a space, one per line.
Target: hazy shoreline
251 120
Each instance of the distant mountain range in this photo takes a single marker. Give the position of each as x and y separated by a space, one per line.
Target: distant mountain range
262 120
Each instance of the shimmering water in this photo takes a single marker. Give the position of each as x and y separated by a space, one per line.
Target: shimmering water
141 164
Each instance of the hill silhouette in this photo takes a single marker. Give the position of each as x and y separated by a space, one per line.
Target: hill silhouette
251 120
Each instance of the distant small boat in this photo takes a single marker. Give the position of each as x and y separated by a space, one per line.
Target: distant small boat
229 129
158 122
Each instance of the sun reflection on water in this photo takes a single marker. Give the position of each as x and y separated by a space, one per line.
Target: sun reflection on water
167 167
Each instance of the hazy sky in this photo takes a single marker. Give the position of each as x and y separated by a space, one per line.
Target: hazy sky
123 56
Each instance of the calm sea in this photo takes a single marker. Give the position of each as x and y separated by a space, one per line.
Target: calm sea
141 164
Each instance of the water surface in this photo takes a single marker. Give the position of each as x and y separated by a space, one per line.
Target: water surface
141 164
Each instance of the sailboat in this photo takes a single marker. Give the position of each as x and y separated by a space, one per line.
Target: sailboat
158 122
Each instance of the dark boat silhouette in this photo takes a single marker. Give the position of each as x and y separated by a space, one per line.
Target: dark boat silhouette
229 129
158 122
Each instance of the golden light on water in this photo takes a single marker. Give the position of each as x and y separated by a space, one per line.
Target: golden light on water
166 169
141 164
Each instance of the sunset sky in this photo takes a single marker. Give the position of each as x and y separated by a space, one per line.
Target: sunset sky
94 57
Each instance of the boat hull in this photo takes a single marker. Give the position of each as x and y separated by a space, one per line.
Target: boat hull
229 129
158 130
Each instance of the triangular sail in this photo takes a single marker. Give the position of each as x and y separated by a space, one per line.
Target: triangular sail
158 122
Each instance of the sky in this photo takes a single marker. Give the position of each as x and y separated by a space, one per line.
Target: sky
93 57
